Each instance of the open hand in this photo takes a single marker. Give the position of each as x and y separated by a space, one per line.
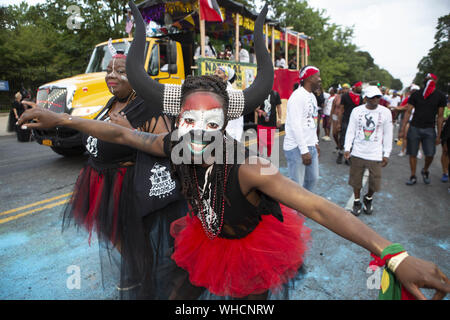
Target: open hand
44 118
416 273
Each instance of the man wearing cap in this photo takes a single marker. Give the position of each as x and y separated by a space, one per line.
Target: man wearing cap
368 142
427 103
349 101
301 143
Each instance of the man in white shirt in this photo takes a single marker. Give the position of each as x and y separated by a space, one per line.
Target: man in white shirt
280 62
326 120
210 52
368 142
301 143
244 56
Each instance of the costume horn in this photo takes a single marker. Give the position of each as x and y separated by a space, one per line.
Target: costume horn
262 85
147 88
167 98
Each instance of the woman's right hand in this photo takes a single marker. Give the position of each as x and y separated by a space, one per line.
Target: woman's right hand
44 118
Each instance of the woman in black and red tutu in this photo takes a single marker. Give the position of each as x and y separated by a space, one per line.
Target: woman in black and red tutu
240 239
114 198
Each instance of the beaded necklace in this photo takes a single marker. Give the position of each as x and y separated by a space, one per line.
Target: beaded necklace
211 222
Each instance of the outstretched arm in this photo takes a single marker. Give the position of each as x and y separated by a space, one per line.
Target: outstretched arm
413 273
109 132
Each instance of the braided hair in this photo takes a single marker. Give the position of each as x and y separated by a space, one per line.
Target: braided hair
186 173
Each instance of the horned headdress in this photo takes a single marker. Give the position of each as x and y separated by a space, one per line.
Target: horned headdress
166 97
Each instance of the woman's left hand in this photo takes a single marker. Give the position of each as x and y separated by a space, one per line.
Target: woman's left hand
416 273
120 119
30 104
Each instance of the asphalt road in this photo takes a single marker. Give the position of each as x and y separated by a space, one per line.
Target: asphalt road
37 260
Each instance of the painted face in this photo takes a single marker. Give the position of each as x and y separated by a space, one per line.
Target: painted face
202 111
116 78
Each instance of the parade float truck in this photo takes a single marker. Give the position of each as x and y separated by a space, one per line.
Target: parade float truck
174 31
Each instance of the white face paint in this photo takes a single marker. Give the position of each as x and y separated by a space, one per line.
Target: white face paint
207 120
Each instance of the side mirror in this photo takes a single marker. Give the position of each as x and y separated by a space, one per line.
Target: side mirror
172 57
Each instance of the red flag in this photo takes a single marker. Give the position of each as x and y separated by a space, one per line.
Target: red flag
210 10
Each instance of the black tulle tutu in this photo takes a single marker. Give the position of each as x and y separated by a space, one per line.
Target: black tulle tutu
134 250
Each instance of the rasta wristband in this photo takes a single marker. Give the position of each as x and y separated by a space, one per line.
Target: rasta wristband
391 288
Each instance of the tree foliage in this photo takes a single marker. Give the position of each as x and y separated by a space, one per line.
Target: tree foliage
438 59
37 45
331 48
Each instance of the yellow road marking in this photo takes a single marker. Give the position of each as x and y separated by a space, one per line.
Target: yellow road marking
51 205
35 204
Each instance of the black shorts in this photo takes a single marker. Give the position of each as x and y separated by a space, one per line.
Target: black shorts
424 136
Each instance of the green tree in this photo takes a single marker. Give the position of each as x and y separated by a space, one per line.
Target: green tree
331 48
438 59
37 45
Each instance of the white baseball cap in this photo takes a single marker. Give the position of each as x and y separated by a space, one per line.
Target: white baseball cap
372 91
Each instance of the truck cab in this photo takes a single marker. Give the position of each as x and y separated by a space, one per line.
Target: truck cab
86 94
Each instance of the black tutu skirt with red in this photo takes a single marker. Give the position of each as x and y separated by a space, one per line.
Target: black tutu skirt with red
102 204
264 260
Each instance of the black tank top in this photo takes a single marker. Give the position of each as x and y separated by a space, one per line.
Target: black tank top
240 216
349 105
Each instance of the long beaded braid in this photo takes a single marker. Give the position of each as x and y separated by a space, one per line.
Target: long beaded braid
187 173
212 231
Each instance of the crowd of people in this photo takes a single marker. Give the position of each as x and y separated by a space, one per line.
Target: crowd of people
219 227
364 123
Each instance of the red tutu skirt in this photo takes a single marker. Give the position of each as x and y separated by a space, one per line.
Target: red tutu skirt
263 260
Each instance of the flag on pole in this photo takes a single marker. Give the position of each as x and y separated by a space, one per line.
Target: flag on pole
190 19
210 10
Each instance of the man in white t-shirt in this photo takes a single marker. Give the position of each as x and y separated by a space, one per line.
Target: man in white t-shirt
210 52
301 143
368 142
244 56
326 120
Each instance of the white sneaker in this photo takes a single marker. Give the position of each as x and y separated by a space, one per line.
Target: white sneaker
326 138
402 154
419 155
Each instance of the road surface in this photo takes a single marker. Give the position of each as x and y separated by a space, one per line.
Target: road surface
37 260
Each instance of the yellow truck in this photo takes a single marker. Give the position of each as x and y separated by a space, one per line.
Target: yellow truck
170 42
86 94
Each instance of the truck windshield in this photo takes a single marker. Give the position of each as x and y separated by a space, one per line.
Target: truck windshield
101 56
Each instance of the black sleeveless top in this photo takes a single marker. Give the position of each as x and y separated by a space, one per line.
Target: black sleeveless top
349 105
104 154
240 216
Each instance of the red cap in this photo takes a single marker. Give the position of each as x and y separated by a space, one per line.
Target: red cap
308 72
432 76
358 84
